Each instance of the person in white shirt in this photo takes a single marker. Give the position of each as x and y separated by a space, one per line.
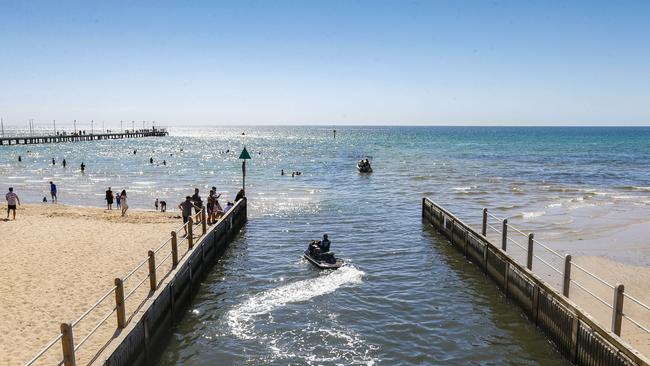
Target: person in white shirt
12 201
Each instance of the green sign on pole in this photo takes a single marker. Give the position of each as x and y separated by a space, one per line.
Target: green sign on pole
244 154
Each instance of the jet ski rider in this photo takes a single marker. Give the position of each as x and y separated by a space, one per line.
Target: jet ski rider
319 249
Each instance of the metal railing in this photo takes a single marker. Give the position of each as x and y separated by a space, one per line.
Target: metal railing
616 306
119 308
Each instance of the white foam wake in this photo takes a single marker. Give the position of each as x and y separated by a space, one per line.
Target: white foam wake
241 318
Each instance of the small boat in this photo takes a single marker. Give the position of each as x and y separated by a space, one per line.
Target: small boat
364 168
322 264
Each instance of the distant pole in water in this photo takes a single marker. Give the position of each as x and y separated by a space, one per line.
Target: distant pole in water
92 126
75 126
54 122
334 133
121 126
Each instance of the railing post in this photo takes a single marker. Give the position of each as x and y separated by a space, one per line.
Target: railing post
174 249
152 271
567 275
617 313
119 303
529 262
190 233
67 342
504 235
484 227
204 224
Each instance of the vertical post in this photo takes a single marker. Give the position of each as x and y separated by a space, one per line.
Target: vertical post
190 234
54 121
617 313
119 303
174 249
484 227
152 271
506 278
67 342
567 275
243 171
204 224
504 235
529 262
575 325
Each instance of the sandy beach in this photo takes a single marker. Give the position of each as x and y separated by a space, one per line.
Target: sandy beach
57 261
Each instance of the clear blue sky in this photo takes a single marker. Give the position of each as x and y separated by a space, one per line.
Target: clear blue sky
328 62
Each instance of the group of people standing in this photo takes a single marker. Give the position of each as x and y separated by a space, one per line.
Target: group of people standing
214 210
120 199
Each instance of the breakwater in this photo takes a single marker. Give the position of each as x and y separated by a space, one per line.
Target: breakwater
140 342
579 337
147 301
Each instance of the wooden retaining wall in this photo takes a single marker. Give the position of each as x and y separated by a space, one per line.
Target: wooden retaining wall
142 340
579 337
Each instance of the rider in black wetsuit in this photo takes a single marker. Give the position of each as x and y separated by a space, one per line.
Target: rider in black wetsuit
325 244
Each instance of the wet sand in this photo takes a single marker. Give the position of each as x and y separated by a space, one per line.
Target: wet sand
58 260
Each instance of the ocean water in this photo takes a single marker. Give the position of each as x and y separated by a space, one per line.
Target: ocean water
405 297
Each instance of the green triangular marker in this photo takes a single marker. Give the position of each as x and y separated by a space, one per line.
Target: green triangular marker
244 154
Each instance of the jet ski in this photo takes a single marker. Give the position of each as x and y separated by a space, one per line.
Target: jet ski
322 260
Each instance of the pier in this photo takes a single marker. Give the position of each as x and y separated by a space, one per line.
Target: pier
576 334
82 136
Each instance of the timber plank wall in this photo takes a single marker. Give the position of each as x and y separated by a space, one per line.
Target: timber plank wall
146 335
577 336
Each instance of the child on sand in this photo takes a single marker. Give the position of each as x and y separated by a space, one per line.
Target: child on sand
12 201
125 205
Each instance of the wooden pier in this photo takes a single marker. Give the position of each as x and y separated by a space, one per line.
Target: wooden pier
75 137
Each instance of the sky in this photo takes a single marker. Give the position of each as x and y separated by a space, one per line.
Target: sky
326 62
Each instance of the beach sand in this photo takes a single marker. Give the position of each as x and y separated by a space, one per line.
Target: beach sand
57 261
636 280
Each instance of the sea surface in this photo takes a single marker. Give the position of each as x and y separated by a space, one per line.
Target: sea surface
405 297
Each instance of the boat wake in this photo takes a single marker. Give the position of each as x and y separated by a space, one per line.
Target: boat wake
267 319
241 318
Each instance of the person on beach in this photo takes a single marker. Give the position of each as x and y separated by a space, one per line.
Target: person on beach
53 161
156 204
125 205
53 192
12 201
186 211
198 202
163 206
282 172
64 163
20 158
210 208
109 199
118 201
